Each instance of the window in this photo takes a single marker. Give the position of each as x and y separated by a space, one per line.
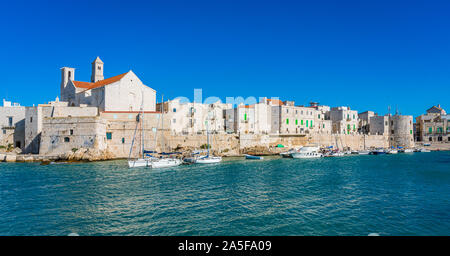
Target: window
174 110
10 121
108 135
31 119
17 144
174 120
287 110
123 140
430 139
4 131
66 139
71 132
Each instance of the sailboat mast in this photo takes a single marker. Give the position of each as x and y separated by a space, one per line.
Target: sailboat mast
142 125
207 136
162 123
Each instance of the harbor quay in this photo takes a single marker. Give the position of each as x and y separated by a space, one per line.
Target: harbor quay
119 117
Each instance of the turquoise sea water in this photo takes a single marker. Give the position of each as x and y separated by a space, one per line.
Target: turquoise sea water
404 194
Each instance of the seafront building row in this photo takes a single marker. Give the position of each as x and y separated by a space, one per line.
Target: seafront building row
103 114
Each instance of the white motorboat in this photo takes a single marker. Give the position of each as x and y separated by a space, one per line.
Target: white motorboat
406 150
288 154
307 152
424 150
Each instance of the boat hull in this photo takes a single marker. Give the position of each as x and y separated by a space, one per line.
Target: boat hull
250 157
307 155
155 163
209 160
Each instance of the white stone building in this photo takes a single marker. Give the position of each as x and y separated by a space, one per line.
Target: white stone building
344 120
190 118
36 116
124 92
12 123
434 126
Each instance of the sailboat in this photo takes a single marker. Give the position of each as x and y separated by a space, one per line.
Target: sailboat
146 159
208 159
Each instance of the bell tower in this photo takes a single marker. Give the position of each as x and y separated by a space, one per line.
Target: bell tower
67 74
97 70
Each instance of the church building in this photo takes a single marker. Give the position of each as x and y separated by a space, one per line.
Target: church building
123 92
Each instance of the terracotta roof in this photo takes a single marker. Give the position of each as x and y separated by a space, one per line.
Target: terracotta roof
89 86
80 84
275 102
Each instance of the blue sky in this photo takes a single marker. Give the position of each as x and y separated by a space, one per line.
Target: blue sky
363 54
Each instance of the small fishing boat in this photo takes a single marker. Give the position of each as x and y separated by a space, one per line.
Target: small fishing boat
424 150
355 152
406 150
308 152
251 157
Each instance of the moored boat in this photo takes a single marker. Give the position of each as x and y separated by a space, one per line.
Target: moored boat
378 152
308 152
252 157
392 151
364 152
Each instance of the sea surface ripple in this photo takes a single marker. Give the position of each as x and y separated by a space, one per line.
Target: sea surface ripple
404 194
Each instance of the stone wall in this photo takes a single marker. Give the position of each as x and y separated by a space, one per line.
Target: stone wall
63 134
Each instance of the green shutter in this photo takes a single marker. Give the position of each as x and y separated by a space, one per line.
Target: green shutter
354 128
430 130
311 123
287 120
348 127
245 117
306 123
108 135
323 126
319 116
301 122
410 131
296 122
